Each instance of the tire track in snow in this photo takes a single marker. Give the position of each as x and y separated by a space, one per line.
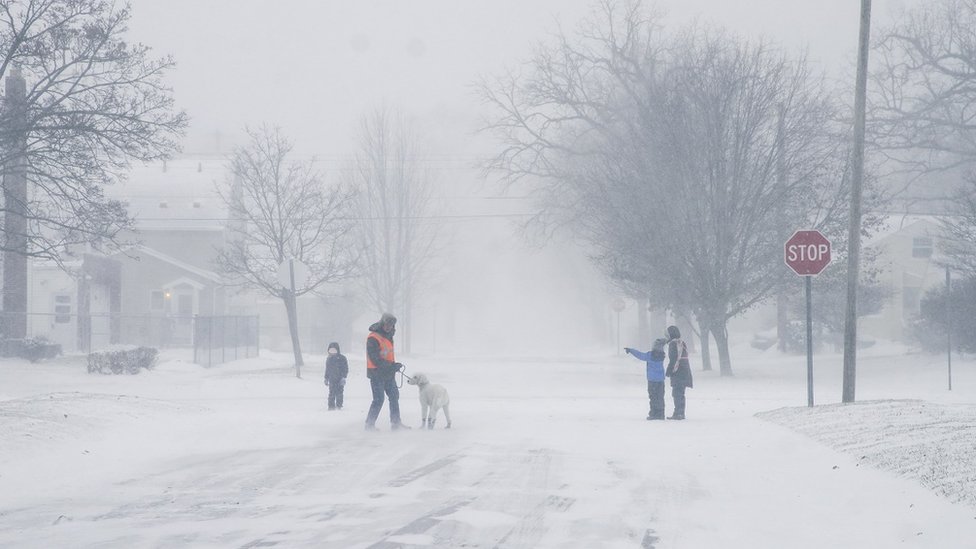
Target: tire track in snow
407 478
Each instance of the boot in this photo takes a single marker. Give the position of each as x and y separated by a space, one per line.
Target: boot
676 416
398 426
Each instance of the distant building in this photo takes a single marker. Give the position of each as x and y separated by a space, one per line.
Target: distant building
907 258
150 292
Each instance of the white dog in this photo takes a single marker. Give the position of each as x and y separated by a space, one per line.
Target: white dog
433 397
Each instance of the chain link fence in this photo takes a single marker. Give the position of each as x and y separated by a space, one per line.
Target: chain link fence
214 339
219 339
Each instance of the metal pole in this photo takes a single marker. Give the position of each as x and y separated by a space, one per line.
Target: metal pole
809 292
949 325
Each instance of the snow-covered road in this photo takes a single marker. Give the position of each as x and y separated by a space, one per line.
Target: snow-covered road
543 453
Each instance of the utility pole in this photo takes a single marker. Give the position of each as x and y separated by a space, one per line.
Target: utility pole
15 208
857 182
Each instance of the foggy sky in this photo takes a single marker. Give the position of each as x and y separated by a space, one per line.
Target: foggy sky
315 67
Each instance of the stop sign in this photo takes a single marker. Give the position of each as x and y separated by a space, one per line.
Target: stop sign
807 252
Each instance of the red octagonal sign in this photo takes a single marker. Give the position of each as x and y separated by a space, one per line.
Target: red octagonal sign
807 252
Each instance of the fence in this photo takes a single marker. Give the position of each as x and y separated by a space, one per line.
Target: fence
214 339
219 339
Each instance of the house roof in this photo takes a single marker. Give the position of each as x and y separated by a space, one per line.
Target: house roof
156 254
896 223
179 194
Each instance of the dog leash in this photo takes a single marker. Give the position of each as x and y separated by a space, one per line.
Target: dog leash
403 375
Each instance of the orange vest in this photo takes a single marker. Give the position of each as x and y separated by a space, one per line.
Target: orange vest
386 349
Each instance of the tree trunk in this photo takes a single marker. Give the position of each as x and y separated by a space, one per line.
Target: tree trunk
291 307
706 352
686 325
407 323
721 333
643 325
15 222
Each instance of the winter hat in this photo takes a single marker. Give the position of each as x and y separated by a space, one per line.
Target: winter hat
335 346
388 317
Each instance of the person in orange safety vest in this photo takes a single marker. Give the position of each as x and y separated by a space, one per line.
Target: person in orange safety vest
381 369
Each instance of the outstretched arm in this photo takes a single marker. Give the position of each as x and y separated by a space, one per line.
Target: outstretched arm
638 355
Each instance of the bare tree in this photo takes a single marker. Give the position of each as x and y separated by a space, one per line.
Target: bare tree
93 102
923 87
959 234
667 153
394 207
923 109
80 104
281 210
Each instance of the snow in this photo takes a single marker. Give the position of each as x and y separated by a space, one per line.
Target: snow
543 453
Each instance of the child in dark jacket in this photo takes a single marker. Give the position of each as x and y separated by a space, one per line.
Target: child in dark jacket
336 370
655 376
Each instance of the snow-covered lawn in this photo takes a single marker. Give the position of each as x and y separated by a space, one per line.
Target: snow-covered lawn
543 453
933 444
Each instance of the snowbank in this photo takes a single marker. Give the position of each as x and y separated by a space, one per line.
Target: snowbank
934 444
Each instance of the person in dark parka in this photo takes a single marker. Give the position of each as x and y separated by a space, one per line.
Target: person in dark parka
655 377
679 370
336 370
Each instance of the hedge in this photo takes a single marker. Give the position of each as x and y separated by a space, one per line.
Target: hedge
31 348
123 361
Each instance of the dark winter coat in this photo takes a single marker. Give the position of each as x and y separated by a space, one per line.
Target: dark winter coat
655 363
336 366
384 368
679 367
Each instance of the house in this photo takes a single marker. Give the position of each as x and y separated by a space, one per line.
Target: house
75 305
151 291
907 254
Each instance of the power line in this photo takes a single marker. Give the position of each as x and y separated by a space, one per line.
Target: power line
354 218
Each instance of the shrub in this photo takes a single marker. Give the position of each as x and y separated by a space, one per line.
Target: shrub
30 348
122 361
930 327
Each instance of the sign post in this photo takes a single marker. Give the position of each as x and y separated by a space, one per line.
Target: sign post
948 302
808 253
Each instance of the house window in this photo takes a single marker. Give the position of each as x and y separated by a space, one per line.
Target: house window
157 300
62 308
922 247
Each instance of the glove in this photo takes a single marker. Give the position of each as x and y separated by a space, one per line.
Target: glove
398 366
628 350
